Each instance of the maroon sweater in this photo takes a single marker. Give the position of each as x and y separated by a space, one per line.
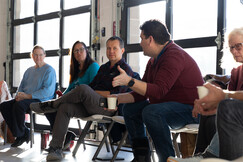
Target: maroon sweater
236 79
173 76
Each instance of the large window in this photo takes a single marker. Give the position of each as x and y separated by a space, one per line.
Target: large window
53 24
193 24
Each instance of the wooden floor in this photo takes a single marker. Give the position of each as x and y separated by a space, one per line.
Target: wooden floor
26 154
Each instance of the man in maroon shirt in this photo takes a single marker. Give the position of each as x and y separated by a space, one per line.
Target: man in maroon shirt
165 96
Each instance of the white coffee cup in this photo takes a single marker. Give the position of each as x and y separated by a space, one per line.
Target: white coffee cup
202 91
111 102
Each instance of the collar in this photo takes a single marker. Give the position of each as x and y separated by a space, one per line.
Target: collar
162 51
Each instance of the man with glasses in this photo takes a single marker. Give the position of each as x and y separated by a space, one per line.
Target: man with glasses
38 84
218 146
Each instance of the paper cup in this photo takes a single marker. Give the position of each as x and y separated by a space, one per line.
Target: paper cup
111 102
202 91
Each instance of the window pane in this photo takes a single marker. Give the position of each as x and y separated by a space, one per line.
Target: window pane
19 67
47 6
139 14
20 9
48 34
191 18
76 27
23 38
75 3
54 62
138 62
205 58
65 70
233 14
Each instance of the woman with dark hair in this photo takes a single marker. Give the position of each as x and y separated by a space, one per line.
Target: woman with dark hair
83 69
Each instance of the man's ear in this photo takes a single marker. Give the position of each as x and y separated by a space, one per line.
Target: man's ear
123 50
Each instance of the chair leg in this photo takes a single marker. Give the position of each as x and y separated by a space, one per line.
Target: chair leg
31 129
80 131
103 141
5 132
174 138
119 146
82 136
106 141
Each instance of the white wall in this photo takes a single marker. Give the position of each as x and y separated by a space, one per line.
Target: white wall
107 16
3 35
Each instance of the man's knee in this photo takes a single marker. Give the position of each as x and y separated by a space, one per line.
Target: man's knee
227 108
82 87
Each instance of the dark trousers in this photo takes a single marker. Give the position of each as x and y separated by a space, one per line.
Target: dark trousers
230 129
51 118
14 114
207 129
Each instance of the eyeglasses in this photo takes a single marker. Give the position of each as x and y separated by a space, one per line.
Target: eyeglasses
39 55
78 50
237 47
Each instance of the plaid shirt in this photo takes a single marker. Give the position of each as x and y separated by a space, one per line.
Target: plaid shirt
105 75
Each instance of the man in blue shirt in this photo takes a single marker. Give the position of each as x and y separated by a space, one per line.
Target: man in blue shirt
38 84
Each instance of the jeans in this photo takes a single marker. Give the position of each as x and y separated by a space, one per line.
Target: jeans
213 147
158 119
207 130
230 129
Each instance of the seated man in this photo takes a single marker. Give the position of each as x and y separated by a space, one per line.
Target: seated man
38 84
165 96
85 100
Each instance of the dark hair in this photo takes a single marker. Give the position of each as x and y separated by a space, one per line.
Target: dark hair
74 65
116 38
157 30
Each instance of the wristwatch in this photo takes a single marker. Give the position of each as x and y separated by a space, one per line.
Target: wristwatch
131 83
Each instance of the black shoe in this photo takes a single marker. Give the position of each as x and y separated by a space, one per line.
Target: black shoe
42 107
69 137
20 140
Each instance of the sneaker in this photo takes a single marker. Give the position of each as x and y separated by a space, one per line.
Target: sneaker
68 140
191 159
42 107
54 154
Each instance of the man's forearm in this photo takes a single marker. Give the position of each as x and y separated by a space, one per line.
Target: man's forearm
234 94
103 93
125 98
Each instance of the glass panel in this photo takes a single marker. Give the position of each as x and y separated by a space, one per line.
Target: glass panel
47 6
65 70
54 62
139 14
191 18
75 3
19 67
205 58
20 10
76 27
234 10
23 38
48 34
138 62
